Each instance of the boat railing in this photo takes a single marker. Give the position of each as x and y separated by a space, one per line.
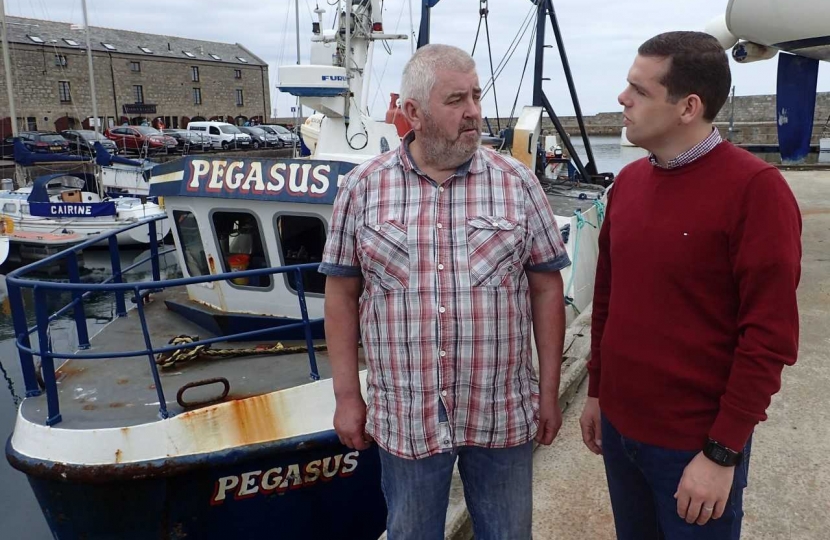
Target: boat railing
21 279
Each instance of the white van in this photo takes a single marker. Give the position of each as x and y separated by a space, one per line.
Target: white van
222 134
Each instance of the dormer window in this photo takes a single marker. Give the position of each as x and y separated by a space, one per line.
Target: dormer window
72 42
146 50
35 39
241 59
215 56
108 46
189 54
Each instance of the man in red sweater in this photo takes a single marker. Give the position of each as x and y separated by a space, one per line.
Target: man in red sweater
695 311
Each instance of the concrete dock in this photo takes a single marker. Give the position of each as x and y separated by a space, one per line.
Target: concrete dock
789 475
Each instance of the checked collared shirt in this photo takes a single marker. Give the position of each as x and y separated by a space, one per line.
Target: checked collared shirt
692 154
445 313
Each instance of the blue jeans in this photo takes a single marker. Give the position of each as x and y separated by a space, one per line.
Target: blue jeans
497 488
642 481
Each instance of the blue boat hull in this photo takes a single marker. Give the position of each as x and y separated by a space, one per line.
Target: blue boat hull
309 488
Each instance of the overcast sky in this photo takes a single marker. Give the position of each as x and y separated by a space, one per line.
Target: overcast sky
601 38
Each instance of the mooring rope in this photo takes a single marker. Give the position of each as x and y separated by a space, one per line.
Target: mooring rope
204 352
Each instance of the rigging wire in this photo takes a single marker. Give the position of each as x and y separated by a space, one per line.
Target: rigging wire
521 80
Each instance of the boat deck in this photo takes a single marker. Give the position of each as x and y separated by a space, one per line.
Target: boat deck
120 392
564 197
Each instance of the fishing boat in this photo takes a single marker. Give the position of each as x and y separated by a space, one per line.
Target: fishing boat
205 409
756 30
59 203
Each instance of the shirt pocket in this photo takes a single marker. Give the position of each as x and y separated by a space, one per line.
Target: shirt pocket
494 245
385 254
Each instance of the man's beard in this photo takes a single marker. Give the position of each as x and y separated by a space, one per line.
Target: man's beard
444 152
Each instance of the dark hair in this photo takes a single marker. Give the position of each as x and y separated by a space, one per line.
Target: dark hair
699 65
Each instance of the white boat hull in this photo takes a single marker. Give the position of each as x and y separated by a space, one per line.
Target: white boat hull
136 236
4 248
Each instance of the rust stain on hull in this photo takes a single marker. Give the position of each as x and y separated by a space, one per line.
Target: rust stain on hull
239 422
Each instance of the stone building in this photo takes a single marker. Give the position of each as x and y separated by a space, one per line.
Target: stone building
138 77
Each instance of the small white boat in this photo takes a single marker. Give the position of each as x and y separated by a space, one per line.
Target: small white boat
58 204
624 139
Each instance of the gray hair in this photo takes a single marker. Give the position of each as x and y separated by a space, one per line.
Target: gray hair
419 74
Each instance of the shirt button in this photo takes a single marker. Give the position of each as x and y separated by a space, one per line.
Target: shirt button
376 227
439 226
443 353
441 189
444 393
442 309
440 267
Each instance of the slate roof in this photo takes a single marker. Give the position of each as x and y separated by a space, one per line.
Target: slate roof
21 30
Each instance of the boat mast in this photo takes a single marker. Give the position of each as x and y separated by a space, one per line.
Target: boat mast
95 119
8 68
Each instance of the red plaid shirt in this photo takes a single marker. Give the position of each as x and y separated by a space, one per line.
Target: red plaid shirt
445 314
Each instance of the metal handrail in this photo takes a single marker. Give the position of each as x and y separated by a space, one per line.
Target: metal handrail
17 280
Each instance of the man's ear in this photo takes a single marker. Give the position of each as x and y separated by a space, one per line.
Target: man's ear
413 112
693 109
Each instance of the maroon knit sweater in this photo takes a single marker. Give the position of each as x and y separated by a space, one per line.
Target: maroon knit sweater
695 311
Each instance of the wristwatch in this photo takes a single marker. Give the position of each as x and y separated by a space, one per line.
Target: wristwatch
720 454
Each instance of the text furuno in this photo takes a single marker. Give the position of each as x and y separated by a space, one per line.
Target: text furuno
282 479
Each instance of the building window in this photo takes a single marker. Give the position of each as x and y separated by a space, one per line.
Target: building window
194 72
63 90
72 42
190 242
301 240
189 54
108 46
215 56
60 60
135 67
240 242
138 92
241 59
239 101
31 123
237 74
35 39
145 50
197 96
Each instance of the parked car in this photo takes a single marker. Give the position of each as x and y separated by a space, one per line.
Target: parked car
40 142
261 138
222 134
140 139
193 140
82 142
287 137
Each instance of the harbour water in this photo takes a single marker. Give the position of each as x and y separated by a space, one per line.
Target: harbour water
21 518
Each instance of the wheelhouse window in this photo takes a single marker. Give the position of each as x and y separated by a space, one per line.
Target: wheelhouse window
301 240
190 241
241 246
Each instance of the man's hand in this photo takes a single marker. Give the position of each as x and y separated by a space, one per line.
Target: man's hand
591 427
350 422
703 490
550 417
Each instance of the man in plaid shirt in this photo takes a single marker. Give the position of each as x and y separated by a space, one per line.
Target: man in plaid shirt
441 254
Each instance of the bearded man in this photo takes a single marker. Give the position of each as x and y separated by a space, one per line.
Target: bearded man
442 255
